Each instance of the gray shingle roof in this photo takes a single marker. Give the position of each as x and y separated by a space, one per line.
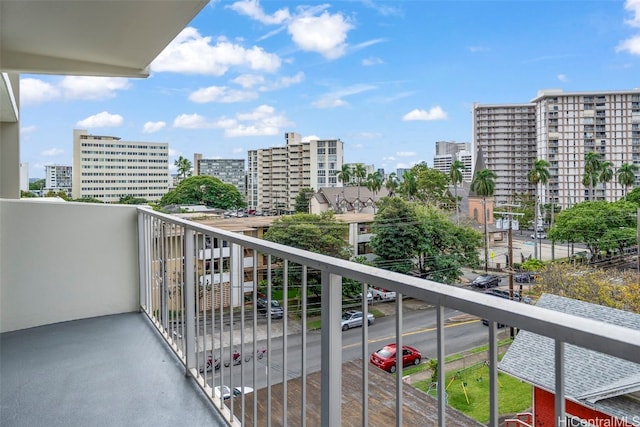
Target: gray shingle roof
593 379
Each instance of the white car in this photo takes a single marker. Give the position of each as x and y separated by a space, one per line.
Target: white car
226 391
353 318
539 235
382 294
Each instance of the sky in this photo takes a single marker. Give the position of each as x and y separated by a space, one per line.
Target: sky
388 78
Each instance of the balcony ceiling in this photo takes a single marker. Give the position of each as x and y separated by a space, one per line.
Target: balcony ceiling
96 38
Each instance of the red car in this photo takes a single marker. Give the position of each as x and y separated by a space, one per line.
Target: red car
385 358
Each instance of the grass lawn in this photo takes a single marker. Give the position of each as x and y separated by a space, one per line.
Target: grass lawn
473 399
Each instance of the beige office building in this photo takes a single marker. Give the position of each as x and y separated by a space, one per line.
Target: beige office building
276 175
107 168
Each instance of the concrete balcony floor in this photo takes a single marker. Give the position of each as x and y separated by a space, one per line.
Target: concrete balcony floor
103 371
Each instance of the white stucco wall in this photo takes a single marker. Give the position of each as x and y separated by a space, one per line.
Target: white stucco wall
66 261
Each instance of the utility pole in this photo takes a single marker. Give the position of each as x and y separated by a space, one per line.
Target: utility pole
510 215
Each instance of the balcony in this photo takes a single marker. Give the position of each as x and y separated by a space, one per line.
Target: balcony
104 322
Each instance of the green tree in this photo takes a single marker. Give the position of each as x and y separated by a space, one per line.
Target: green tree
131 200
37 185
627 176
344 176
26 194
321 234
592 166
484 185
391 183
595 224
88 200
359 173
184 166
302 200
432 186
606 173
374 184
408 188
204 190
538 175
455 176
395 232
443 248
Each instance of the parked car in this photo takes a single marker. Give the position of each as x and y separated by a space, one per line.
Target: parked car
381 294
504 293
486 281
353 319
539 235
524 277
369 297
226 391
277 312
385 357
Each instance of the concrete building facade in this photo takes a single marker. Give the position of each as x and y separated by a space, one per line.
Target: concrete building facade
58 178
560 128
229 171
107 168
448 152
276 175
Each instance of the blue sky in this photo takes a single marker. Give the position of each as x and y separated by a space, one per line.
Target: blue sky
389 78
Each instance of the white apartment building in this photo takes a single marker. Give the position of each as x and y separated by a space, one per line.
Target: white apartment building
276 175
505 137
449 151
58 178
560 128
107 168
229 171
368 169
570 125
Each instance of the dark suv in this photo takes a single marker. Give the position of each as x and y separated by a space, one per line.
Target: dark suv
486 281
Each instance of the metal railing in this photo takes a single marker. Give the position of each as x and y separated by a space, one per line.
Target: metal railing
210 321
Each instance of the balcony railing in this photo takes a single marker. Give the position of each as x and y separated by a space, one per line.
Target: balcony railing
211 321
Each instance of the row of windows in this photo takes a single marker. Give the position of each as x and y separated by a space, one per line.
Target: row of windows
163 175
124 167
139 147
123 153
120 160
122 188
124 181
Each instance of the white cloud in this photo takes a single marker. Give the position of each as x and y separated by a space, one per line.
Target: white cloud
334 99
435 113
103 119
52 152
92 88
634 7
563 78
632 45
406 153
368 62
35 91
384 10
173 152
221 94
476 49
325 34
368 135
263 120
248 80
310 138
152 127
252 9
27 129
283 82
238 150
192 53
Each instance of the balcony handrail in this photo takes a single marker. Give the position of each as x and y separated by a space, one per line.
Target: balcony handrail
588 333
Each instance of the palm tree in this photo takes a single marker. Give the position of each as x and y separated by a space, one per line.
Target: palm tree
592 165
455 175
606 173
344 176
484 185
627 176
538 175
184 166
359 173
374 184
391 183
409 185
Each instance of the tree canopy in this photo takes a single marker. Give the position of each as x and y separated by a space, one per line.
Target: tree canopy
204 190
302 200
413 239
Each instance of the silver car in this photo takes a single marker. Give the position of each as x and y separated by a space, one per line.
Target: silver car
353 318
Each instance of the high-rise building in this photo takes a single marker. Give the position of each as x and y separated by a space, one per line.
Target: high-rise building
229 171
107 168
560 128
448 152
276 175
58 178
505 136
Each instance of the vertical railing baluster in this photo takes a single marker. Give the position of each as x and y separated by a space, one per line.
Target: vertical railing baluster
399 359
269 284
560 415
365 355
255 333
189 337
303 397
442 393
285 298
142 259
331 350
493 373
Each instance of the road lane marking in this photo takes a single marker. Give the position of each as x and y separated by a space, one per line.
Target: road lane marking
406 334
